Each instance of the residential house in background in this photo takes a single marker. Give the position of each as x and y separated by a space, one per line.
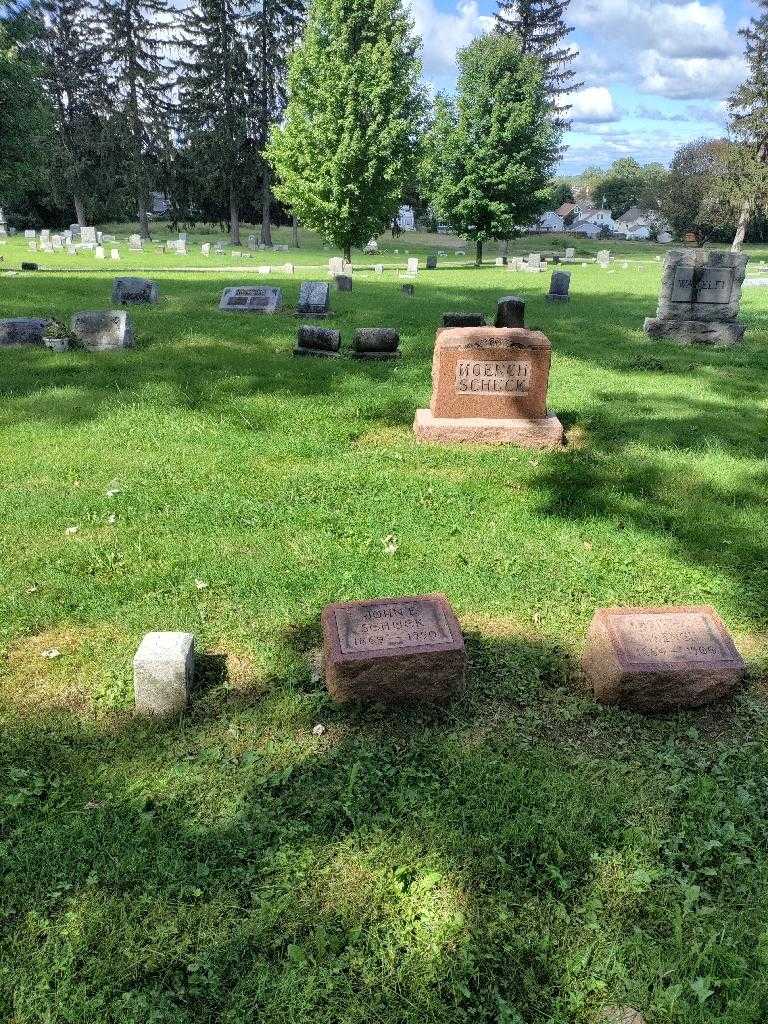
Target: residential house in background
639 223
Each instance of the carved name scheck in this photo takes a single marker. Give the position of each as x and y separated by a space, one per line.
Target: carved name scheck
493 377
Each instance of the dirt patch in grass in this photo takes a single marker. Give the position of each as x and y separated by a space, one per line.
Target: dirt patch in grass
43 672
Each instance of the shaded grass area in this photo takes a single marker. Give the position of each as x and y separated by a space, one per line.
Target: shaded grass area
520 856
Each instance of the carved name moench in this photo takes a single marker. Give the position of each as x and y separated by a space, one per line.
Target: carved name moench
678 637
707 285
492 377
388 626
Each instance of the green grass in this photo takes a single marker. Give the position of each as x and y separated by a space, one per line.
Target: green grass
522 855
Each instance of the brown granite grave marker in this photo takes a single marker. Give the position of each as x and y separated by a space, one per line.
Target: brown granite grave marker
659 659
393 650
489 386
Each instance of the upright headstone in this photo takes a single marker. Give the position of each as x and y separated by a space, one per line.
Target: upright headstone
660 659
88 235
510 312
45 235
559 287
375 343
407 289
412 265
317 341
134 289
205 249
533 264
30 233
604 258
103 330
395 650
314 299
489 386
432 262
378 268
251 299
252 242
570 254
163 669
500 261
288 268
343 283
335 266
114 254
98 252
700 298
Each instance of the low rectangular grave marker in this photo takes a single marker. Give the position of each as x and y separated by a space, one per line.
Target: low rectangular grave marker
251 299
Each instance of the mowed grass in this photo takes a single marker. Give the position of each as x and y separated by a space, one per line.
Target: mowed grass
522 855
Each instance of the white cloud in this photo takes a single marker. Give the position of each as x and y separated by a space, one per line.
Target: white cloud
675 50
593 105
445 32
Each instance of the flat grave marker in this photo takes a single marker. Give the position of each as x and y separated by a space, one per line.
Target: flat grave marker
251 299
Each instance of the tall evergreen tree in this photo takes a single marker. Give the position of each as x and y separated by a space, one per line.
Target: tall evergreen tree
140 72
70 50
218 100
274 28
489 154
540 26
349 137
749 123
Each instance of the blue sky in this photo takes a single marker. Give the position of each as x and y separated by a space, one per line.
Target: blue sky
655 72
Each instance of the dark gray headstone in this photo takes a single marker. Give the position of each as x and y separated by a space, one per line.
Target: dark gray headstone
22 330
431 262
408 289
510 312
29 266
251 299
314 298
317 341
103 330
344 283
375 343
463 320
558 287
134 289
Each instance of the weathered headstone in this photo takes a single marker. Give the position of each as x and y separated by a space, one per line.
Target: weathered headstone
99 252
314 299
570 253
658 659
533 263
412 265
264 269
22 330
134 289
510 312
699 298
317 341
102 330
375 343
394 650
378 268
489 386
407 289
88 235
252 242
343 283
604 258
500 261
335 266
463 320
30 233
205 249
288 268
432 262
29 266
251 299
163 670
114 254
559 287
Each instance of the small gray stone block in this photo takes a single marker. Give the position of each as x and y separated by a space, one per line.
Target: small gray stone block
134 289
163 668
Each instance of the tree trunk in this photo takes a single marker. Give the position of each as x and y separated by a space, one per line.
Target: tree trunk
479 256
143 219
348 253
79 211
234 218
295 231
741 227
266 205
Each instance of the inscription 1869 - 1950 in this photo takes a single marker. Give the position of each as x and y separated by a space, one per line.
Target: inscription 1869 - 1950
492 377
376 627
710 284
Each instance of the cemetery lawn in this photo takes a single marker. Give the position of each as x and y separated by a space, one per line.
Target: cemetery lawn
522 856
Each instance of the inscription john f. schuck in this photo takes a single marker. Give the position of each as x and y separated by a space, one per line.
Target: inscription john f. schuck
386 626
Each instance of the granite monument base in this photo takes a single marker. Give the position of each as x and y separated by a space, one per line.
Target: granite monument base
696 332
546 432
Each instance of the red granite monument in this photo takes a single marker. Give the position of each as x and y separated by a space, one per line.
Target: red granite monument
660 659
395 650
489 386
